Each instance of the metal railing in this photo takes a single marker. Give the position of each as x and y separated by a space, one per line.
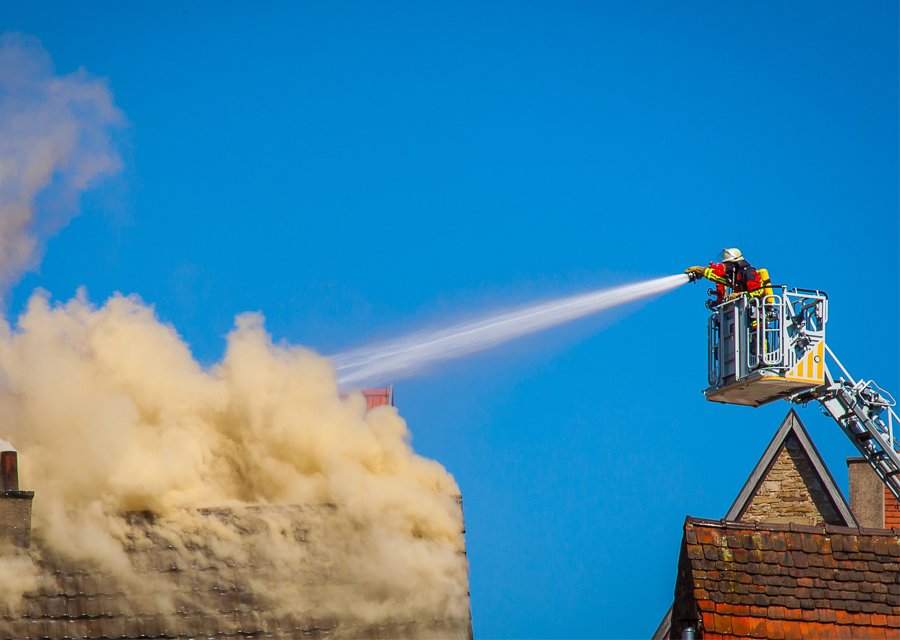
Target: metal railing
782 327
771 332
713 342
766 332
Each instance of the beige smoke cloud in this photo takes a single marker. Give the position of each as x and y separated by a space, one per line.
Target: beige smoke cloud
55 142
111 413
322 501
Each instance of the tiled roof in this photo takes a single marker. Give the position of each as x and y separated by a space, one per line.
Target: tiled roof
194 592
738 579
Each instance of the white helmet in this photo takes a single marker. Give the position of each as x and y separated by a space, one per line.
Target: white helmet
729 255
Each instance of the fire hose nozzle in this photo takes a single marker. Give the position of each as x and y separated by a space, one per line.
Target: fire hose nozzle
693 276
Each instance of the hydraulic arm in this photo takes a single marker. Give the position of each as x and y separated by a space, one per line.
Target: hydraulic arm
773 347
866 414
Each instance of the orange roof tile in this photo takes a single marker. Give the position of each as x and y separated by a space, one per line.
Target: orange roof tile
738 579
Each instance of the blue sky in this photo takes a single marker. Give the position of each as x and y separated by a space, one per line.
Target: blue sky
356 170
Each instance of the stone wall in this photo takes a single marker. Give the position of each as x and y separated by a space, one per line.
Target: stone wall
791 492
15 518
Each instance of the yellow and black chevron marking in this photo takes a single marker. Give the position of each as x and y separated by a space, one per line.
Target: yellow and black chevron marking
811 367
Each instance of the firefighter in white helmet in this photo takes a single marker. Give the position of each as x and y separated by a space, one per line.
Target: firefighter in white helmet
732 274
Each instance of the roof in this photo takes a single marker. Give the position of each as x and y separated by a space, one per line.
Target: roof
793 433
791 446
201 588
739 579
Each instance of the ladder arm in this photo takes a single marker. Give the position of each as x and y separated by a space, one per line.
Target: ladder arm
858 407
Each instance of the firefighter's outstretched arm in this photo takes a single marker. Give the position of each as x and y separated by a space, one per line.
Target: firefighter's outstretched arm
695 273
714 272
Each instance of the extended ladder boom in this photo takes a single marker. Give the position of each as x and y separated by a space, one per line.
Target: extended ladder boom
857 407
773 347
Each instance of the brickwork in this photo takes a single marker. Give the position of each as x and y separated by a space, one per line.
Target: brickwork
791 491
891 509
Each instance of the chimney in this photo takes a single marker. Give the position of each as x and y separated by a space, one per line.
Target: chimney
871 501
379 397
9 471
15 505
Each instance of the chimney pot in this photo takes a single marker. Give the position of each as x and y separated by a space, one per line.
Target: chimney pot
9 471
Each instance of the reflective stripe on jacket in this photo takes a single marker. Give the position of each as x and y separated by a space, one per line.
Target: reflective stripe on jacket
716 273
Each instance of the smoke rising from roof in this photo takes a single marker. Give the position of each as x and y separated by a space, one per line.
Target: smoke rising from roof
111 414
55 142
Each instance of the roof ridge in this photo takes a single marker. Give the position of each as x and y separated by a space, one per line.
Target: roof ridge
793 527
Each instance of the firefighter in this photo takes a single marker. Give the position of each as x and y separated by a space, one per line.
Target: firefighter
732 274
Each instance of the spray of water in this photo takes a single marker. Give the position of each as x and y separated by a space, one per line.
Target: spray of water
400 357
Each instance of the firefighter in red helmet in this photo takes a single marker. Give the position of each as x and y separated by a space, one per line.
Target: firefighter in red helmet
732 274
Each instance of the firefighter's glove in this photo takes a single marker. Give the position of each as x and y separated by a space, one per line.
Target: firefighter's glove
732 296
694 273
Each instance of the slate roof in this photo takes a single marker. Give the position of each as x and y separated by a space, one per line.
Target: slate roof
770 581
197 593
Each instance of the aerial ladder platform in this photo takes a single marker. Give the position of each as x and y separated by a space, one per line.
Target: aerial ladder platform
772 347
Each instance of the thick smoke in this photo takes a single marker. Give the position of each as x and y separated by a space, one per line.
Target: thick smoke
55 142
111 415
